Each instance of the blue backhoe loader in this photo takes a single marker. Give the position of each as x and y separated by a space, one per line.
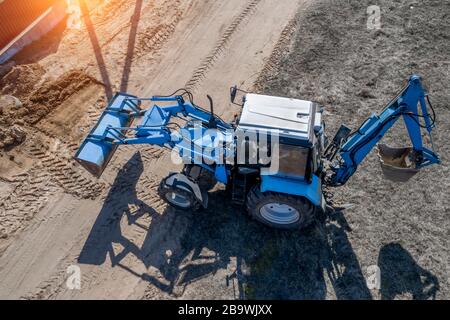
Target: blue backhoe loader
274 158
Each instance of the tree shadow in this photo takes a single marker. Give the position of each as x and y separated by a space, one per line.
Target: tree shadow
97 49
131 44
269 264
400 274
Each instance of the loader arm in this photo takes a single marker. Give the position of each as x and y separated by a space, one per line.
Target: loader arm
352 148
155 127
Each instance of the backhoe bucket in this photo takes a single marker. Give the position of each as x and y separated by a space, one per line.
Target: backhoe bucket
97 149
397 163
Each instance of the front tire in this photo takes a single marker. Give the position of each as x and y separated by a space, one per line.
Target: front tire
178 198
280 211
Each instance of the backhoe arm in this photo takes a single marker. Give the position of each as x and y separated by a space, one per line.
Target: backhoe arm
354 147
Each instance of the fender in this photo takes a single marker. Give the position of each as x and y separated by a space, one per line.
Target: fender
181 181
311 191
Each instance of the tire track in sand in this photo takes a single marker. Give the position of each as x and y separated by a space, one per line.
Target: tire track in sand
153 38
208 62
270 67
146 192
54 171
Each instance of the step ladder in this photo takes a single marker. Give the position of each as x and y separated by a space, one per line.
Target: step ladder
239 189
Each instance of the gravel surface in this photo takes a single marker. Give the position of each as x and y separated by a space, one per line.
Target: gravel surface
353 71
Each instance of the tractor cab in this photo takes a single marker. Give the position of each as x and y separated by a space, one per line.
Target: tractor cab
293 126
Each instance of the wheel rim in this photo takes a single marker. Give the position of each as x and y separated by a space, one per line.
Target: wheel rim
279 213
178 199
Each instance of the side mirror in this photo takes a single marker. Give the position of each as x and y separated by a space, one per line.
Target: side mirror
233 92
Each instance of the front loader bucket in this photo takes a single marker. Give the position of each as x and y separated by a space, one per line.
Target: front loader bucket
97 148
397 163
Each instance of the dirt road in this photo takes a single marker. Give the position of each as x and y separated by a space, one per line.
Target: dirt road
117 230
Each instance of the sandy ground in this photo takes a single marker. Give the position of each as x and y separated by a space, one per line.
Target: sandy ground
128 244
55 215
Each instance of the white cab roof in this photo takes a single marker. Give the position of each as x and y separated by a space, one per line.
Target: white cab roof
290 117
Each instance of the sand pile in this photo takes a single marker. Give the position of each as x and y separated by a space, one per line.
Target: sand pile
21 80
27 98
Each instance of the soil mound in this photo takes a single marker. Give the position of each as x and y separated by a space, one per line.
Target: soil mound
22 105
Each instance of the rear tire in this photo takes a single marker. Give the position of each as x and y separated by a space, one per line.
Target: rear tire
280 211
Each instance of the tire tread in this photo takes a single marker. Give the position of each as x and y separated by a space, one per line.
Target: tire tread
305 207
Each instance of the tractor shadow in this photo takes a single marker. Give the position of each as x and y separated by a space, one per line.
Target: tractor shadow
400 274
107 229
189 247
270 264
